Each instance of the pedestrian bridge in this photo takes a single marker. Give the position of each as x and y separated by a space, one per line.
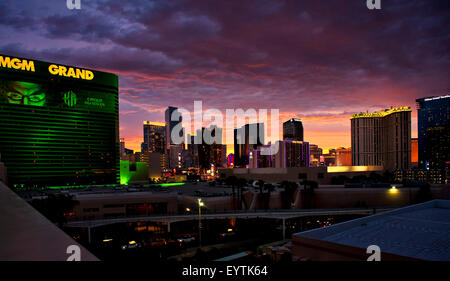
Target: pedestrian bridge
272 214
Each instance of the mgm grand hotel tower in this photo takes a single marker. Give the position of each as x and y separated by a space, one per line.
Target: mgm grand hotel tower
382 138
58 125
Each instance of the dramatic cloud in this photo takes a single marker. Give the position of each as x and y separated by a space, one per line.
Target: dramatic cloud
317 60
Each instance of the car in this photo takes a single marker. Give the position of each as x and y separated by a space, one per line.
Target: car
227 234
131 245
186 239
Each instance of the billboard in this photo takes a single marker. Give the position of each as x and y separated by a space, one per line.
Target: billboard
37 83
56 95
49 71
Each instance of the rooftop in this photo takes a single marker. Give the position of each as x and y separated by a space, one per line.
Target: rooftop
434 98
136 190
419 231
381 113
153 123
294 120
27 235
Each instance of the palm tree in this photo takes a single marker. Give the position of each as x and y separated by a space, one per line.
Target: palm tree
308 193
260 184
240 184
288 193
232 181
269 188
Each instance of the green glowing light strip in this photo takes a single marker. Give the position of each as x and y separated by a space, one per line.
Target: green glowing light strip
170 184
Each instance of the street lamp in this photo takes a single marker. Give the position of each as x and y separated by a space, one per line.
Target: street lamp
200 205
393 190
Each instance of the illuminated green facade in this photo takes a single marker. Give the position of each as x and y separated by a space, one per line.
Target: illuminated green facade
129 172
58 125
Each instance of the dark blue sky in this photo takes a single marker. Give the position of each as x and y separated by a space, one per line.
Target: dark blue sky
317 60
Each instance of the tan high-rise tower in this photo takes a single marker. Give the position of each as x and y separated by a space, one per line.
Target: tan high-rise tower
382 138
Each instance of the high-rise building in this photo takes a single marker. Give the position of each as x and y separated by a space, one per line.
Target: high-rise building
260 157
220 155
154 137
245 138
204 149
176 157
290 154
170 124
164 162
414 153
125 153
174 150
230 159
140 157
434 132
293 130
58 124
192 160
217 150
328 157
343 156
157 164
205 153
316 153
382 138
122 148
433 176
128 155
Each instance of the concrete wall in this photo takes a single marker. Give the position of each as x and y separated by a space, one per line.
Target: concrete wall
3 173
370 197
92 206
308 249
276 175
325 198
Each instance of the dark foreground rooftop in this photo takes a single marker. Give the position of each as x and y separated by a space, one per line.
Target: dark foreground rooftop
26 235
419 232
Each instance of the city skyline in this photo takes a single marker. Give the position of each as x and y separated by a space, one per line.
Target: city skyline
227 139
318 62
230 147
